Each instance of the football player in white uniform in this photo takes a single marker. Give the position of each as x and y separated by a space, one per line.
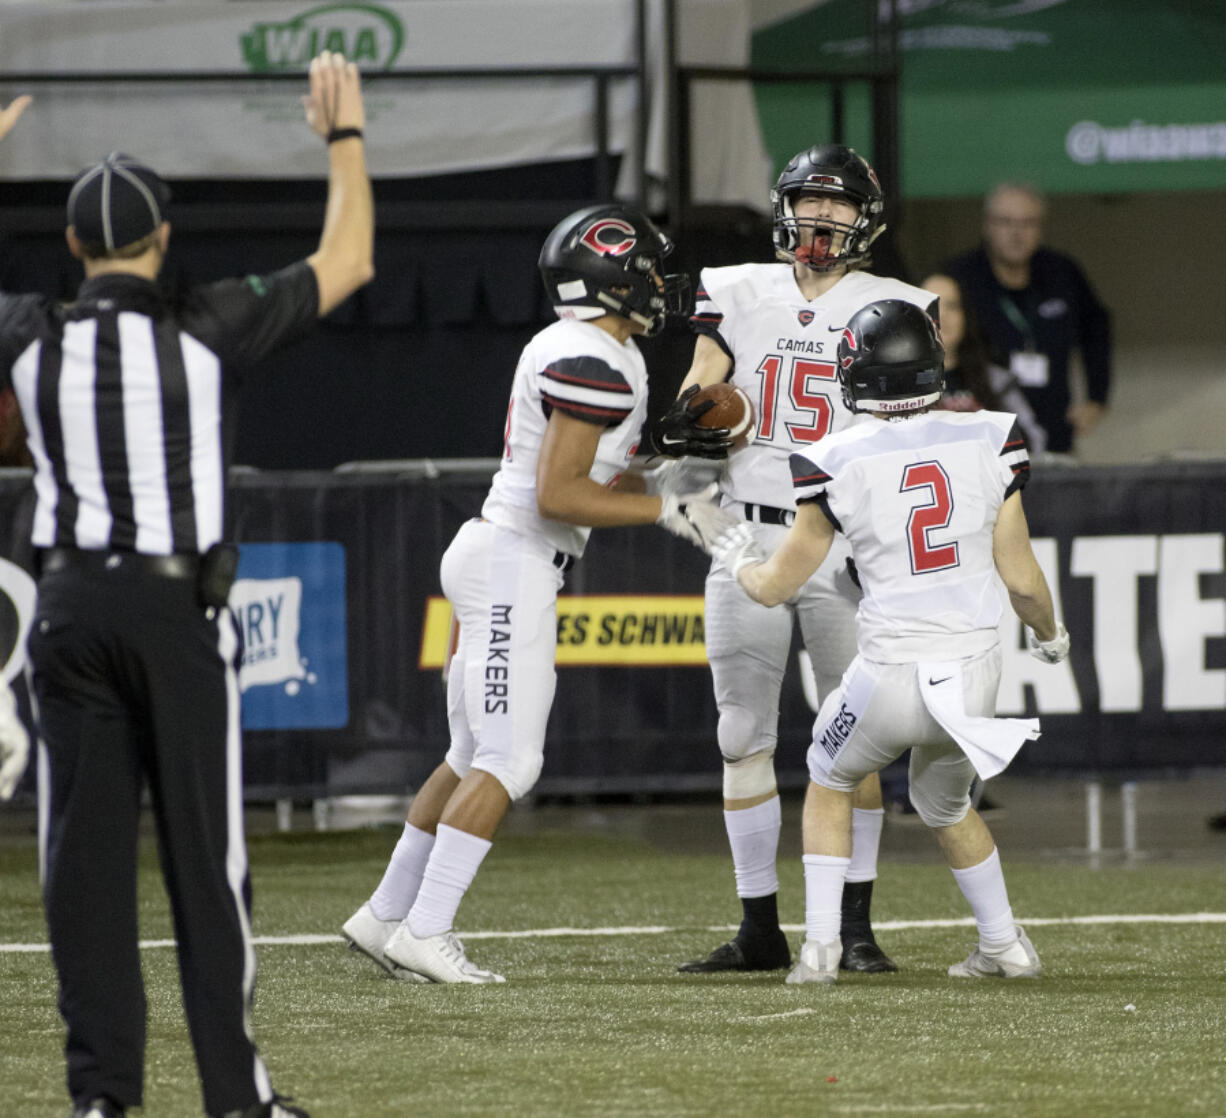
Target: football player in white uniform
578 403
772 329
931 504
14 743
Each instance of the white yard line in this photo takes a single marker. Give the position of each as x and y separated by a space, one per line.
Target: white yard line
308 940
778 1016
908 1108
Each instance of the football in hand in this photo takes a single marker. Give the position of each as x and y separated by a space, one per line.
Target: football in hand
732 408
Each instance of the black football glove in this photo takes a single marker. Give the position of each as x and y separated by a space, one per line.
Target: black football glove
677 433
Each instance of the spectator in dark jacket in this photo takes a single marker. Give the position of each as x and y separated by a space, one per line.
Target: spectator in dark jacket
972 382
1036 307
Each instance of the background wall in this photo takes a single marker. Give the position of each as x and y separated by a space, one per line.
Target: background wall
999 90
419 363
1156 261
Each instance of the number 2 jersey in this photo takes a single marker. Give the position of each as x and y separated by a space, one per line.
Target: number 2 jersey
783 355
584 372
917 499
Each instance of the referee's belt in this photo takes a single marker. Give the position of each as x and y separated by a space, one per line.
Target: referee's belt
160 566
766 514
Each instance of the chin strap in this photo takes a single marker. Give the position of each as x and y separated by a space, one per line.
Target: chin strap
619 307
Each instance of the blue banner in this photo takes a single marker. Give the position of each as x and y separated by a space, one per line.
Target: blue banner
289 600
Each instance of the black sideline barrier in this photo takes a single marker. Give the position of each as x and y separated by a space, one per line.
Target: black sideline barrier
343 688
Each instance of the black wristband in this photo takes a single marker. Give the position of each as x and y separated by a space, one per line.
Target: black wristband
344 134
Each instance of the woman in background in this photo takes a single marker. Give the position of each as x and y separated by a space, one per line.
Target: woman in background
972 382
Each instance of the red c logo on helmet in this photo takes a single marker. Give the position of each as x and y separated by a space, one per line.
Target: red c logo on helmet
849 340
609 237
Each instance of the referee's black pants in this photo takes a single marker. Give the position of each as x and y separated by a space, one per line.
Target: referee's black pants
136 683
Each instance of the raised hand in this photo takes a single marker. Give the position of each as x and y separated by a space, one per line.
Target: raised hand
10 115
335 100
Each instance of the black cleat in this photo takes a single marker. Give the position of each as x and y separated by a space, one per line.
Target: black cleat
863 955
761 952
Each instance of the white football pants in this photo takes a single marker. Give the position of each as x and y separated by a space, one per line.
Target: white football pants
503 587
878 714
748 644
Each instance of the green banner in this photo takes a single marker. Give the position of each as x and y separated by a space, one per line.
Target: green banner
1071 95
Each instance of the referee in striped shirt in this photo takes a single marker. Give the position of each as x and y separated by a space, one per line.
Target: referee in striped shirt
127 400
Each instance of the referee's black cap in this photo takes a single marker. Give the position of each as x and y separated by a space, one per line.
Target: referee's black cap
117 201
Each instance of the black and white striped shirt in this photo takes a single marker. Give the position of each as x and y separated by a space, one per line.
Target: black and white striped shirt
128 399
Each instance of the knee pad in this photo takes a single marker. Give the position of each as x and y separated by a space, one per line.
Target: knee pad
938 807
749 776
742 732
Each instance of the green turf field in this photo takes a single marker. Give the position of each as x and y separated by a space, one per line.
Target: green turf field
601 1024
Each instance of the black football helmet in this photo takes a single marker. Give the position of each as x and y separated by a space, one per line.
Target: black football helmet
606 259
827 169
891 359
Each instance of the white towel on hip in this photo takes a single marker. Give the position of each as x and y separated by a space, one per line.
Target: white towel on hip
989 743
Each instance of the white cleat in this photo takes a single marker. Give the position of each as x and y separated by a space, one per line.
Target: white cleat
437 958
369 935
819 962
1019 960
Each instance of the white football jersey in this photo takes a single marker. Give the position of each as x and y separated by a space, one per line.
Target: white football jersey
783 355
918 500
584 372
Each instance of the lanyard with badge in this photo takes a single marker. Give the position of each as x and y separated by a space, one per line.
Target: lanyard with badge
1027 365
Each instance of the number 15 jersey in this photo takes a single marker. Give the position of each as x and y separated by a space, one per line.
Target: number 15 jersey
783 355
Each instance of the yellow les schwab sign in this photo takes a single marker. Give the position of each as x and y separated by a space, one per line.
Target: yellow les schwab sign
611 630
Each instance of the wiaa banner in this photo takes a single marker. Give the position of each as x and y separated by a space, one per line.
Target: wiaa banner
346 634
251 128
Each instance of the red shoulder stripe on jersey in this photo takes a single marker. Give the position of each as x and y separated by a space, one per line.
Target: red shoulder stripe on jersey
585 411
702 294
705 319
603 386
589 372
1014 440
805 471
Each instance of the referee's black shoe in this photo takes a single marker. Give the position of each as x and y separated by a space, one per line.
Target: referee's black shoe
766 950
101 1107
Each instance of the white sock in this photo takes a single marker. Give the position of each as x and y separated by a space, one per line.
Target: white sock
753 834
983 886
824 876
402 878
866 824
453 864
